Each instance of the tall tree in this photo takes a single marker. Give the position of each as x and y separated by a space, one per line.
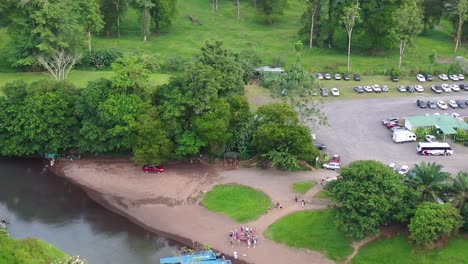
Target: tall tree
462 9
407 25
42 28
350 18
144 6
271 9
429 180
313 7
460 190
113 11
433 10
369 195
90 17
163 12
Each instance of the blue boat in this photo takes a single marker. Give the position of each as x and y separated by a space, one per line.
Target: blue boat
202 257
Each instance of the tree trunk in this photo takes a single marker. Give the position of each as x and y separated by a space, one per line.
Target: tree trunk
331 19
458 38
158 28
89 40
118 26
311 28
216 6
350 33
238 10
402 49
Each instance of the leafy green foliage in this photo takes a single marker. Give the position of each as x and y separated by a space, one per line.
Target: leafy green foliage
163 13
460 195
429 180
113 11
271 10
103 58
132 73
454 68
368 195
461 136
241 203
315 230
37 118
27 251
432 222
279 137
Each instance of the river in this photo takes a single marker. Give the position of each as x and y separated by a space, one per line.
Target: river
38 204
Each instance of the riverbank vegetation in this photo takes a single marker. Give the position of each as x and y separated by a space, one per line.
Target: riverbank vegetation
27 251
315 230
241 203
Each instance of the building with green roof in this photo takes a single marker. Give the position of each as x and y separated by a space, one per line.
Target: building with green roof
446 123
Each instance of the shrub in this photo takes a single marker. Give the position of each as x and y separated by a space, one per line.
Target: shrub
421 133
454 68
103 58
461 136
174 64
432 222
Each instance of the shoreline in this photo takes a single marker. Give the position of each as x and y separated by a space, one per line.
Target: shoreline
168 204
99 198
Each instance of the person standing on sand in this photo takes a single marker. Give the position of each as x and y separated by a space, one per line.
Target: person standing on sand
302 203
235 254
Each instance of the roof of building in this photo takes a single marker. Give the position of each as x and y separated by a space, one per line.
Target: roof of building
270 69
446 123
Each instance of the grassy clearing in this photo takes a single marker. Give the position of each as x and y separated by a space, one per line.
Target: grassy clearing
398 250
313 230
241 203
79 78
303 187
27 251
323 194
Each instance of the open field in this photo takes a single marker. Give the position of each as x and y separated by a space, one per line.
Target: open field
313 230
271 42
398 250
239 202
79 78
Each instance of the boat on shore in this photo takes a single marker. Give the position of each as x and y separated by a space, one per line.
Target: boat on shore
201 257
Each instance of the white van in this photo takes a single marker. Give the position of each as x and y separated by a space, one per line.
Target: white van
401 136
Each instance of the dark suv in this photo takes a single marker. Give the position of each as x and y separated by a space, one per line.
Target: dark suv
324 91
421 103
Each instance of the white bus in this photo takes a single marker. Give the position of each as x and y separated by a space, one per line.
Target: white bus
436 148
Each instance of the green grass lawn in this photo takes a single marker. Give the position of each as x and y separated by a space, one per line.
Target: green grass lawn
323 194
27 251
303 187
397 250
239 202
79 78
313 230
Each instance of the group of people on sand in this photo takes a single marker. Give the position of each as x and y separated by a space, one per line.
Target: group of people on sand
246 235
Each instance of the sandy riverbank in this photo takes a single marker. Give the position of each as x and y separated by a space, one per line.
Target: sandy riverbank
168 203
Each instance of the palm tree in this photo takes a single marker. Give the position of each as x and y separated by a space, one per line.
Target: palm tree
429 180
460 189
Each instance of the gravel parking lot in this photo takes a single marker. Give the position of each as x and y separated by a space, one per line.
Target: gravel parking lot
356 131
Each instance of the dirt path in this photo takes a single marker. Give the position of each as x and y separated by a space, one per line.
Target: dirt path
168 202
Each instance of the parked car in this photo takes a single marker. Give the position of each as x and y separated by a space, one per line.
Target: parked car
431 104
437 88
429 77
392 125
464 86
442 105
384 88
346 77
398 128
453 77
431 139
453 104
320 146
421 103
443 77
335 92
319 76
335 159
153 168
357 77
455 87
337 76
410 88
392 166
420 78
446 88
403 170
327 76
390 119
461 77
324 91
368 89
376 88
358 89
401 88
461 104
394 78
455 115
331 166
419 88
